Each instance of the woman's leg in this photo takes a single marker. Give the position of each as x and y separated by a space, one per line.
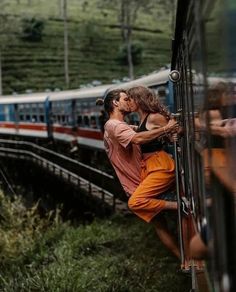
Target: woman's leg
165 236
144 201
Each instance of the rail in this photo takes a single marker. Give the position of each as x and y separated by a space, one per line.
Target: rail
95 182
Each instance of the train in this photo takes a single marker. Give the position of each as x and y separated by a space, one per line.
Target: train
200 88
203 70
70 116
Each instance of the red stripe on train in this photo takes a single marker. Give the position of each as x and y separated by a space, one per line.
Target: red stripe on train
80 132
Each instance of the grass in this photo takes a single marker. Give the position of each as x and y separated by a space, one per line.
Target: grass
93 46
117 254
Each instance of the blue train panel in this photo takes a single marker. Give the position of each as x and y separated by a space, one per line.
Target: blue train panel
7 113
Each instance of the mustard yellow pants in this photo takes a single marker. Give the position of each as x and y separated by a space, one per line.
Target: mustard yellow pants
157 176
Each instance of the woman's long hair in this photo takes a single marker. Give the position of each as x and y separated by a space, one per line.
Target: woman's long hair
147 100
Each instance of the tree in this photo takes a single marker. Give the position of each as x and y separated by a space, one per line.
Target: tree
127 11
32 29
3 33
66 50
136 51
60 7
169 7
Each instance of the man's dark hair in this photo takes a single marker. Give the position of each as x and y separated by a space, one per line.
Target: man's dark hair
110 96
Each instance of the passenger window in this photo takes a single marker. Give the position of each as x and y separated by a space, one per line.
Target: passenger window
93 123
86 121
34 119
79 121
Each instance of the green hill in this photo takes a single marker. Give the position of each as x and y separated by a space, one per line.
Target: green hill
94 44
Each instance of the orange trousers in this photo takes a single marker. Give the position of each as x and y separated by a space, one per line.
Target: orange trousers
157 176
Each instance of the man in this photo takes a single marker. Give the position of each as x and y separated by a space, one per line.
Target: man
122 147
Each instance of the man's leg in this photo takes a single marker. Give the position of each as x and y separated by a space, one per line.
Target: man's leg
165 236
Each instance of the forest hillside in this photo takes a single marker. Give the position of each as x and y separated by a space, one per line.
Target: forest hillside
32 42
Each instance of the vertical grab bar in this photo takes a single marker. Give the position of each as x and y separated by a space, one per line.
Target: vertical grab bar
177 115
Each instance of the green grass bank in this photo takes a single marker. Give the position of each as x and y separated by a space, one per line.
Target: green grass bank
45 254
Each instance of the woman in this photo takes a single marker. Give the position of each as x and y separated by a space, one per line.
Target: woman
158 167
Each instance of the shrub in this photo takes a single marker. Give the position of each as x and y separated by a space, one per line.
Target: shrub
136 51
32 29
20 227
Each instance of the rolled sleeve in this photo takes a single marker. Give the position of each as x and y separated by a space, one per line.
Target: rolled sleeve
124 134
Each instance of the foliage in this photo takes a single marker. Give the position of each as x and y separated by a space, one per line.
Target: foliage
39 65
91 33
117 254
136 51
32 29
20 227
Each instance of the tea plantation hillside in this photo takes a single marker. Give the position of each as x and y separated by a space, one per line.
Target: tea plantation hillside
95 44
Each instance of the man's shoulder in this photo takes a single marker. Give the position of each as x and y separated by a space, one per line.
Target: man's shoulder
112 123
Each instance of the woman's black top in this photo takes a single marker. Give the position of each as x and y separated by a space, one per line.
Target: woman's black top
152 146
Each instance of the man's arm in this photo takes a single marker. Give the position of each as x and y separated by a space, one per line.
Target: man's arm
134 127
144 137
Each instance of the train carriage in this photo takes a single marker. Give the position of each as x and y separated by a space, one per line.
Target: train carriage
204 68
70 116
203 71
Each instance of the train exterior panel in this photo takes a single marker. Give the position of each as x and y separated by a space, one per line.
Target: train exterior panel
205 98
70 116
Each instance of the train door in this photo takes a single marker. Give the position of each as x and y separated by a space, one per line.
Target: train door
49 118
188 60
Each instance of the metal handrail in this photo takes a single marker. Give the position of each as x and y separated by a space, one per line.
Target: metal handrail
96 176
92 187
56 154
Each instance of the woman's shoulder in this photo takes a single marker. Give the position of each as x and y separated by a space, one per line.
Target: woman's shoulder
157 118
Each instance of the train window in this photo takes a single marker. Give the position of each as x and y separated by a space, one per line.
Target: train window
63 119
162 93
41 118
86 121
27 118
79 120
21 117
66 120
84 105
6 112
92 106
41 108
34 108
78 106
93 122
34 119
